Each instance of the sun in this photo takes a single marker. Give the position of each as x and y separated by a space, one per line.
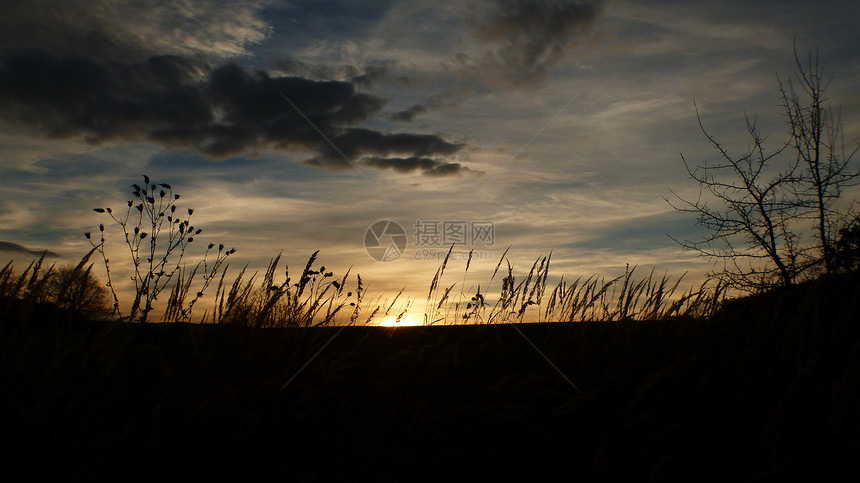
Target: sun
405 320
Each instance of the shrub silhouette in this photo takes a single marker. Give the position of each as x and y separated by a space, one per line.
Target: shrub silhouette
72 292
847 247
79 292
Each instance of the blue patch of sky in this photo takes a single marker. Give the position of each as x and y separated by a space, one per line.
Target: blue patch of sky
304 23
64 166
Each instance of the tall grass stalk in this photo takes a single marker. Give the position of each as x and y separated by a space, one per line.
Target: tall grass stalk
434 302
316 299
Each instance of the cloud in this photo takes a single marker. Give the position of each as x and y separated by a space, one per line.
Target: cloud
407 115
427 166
16 248
366 75
525 38
179 103
120 30
155 71
403 165
220 28
449 169
352 144
65 97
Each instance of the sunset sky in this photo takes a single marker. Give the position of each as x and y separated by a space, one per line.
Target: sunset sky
295 125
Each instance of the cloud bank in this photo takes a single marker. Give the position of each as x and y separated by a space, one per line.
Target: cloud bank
100 77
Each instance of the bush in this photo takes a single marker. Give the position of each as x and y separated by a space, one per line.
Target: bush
70 292
79 292
847 247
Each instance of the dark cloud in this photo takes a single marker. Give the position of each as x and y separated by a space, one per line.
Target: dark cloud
407 115
427 166
84 71
364 76
177 102
449 169
298 68
354 143
357 109
16 248
65 97
357 141
67 28
525 37
402 165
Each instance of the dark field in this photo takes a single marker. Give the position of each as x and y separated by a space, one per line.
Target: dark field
767 390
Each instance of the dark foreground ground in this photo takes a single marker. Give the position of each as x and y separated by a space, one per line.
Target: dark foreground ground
768 391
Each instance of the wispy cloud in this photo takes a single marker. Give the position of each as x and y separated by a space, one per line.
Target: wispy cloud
120 30
525 38
16 248
409 114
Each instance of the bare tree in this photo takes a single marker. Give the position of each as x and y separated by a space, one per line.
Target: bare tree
818 141
754 205
750 232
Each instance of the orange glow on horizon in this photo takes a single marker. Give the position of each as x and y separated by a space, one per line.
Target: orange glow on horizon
406 320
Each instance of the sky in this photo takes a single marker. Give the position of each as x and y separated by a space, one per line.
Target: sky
295 126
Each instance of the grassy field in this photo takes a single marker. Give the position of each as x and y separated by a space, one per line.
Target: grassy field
766 389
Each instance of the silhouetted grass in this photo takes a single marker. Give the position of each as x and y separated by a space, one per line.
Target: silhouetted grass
316 299
157 235
593 298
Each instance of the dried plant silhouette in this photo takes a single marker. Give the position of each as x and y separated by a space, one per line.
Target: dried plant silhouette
157 239
755 205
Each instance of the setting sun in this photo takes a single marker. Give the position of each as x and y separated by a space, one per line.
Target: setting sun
405 320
